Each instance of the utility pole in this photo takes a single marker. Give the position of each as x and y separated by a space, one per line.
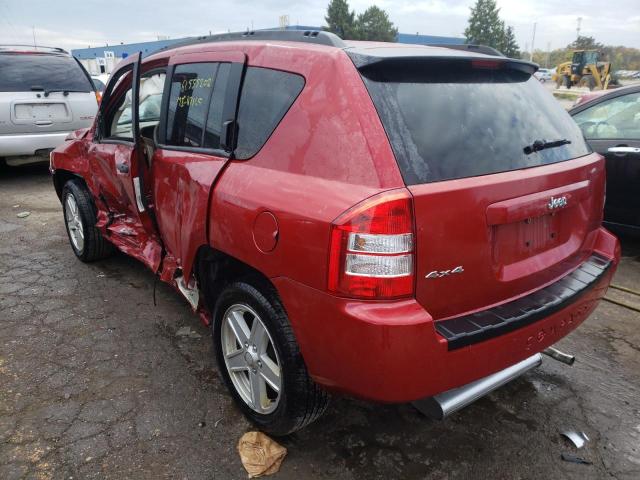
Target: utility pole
548 54
533 39
33 29
578 29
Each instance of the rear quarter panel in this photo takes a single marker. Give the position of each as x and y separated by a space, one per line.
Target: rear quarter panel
328 153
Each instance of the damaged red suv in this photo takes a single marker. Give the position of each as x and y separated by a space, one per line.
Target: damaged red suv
393 222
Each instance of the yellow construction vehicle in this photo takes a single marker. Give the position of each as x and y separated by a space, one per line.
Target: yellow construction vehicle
584 70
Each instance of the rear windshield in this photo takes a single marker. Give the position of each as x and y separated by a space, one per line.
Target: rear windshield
447 123
25 72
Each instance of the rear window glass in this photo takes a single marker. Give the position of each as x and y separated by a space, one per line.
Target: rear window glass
446 123
266 97
25 72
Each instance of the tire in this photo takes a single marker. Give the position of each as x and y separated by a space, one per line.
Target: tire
566 81
93 246
299 400
588 81
559 81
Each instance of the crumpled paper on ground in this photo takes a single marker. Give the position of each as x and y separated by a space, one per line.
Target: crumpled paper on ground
260 455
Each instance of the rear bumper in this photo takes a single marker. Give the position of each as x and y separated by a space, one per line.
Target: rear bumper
26 145
392 352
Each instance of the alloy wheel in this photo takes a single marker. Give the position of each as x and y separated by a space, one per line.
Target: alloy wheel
251 358
74 222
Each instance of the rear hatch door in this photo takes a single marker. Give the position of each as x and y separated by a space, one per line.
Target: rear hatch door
507 194
44 93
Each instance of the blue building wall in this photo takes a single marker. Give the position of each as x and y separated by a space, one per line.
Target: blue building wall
122 51
428 39
147 48
402 37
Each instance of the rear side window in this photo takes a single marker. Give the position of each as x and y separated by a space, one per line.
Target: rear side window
192 90
446 123
266 97
23 72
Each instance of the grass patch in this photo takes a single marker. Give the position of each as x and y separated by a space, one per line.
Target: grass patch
566 96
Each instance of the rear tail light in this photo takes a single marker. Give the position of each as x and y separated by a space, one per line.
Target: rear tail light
372 249
98 96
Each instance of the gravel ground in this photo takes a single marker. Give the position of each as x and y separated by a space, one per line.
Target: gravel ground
97 382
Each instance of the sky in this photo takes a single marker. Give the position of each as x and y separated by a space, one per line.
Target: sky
81 23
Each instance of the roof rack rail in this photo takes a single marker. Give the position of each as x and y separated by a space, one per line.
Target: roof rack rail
306 36
469 47
31 48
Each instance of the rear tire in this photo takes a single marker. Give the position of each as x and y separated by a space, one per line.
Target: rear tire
80 220
588 81
299 400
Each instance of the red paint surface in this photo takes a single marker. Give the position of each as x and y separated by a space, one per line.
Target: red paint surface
329 153
265 232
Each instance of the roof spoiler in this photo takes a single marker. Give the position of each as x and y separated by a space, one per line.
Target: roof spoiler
469 47
371 63
306 36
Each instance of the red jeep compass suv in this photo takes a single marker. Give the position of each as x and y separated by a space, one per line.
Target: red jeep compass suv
384 220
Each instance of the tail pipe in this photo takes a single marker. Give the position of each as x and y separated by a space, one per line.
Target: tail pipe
442 405
559 356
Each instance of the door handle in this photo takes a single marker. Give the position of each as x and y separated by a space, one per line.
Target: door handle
123 168
623 150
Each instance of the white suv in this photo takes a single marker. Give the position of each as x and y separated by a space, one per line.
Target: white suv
45 94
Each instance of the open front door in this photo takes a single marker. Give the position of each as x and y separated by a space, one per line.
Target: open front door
120 169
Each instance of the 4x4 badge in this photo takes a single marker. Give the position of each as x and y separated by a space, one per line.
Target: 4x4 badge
444 273
557 203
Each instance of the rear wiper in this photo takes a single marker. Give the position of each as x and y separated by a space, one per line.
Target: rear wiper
538 145
65 92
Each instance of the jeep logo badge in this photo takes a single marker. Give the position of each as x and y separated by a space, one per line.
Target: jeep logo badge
557 203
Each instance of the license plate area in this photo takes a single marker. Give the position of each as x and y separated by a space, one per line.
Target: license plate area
33 112
517 241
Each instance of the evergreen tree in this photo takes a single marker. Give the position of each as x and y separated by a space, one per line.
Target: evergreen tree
510 47
340 20
585 43
374 24
485 26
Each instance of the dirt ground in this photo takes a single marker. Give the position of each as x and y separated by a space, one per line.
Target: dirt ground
97 382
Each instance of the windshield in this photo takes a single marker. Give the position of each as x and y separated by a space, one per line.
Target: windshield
24 72
462 122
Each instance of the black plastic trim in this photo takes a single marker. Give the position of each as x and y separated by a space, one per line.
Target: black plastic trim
477 327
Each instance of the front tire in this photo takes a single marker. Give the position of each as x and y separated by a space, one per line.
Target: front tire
80 220
260 360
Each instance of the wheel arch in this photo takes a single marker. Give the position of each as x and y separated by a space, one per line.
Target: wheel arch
215 269
61 177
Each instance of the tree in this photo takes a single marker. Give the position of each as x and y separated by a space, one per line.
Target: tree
509 45
340 20
585 43
485 26
374 24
